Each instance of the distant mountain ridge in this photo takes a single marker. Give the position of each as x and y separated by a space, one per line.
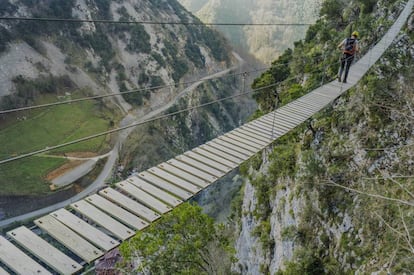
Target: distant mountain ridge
264 42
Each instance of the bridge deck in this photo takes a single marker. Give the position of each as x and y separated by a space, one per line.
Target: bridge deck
101 221
44 251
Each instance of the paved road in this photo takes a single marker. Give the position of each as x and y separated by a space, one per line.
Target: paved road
114 153
78 171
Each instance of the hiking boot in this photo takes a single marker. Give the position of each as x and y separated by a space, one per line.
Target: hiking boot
344 81
339 78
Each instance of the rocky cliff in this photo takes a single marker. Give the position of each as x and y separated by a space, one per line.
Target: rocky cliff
336 197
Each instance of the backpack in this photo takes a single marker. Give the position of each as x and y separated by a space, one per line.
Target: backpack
350 46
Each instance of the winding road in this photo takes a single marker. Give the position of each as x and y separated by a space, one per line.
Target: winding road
113 155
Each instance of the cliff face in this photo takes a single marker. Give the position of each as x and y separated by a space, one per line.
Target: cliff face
337 197
264 42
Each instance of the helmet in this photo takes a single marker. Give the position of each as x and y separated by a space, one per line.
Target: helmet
355 33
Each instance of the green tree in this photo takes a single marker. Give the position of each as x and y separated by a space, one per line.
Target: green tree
267 88
184 241
332 9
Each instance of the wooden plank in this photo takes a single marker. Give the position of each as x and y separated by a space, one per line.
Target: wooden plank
44 251
255 135
4 272
68 238
154 191
230 149
307 113
201 166
185 175
302 105
295 109
192 170
275 128
272 134
320 96
117 212
216 157
316 104
255 131
332 89
275 116
316 101
218 143
329 89
212 163
18 261
175 180
249 137
291 118
292 115
222 153
324 91
166 186
260 127
279 122
252 150
245 141
104 220
311 109
144 197
320 93
246 136
84 229
129 204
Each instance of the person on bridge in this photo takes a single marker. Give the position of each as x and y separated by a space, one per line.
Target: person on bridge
349 47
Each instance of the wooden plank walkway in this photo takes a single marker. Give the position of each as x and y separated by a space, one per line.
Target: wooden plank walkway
44 251
17 260
66 236
102 221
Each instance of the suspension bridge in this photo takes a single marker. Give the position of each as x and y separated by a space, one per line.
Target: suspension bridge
66 240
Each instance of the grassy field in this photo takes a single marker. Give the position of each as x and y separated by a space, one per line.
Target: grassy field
54 126
43 128
26 176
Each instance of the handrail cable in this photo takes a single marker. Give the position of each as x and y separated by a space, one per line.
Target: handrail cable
123 93
106 21
49 148
148 120
137 90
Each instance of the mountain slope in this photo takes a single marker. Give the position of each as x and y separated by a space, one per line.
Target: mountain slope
47 61
264 42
